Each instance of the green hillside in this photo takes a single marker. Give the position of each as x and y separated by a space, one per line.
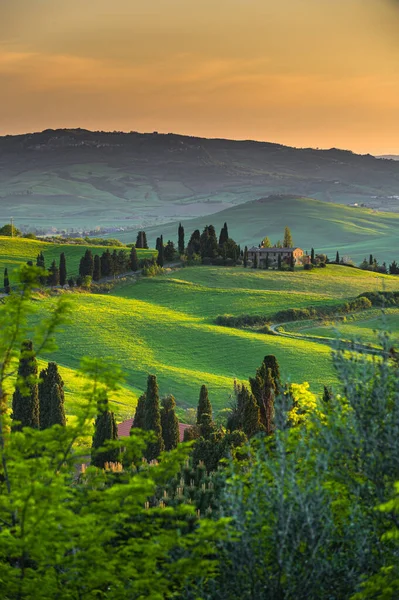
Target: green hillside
327 227
17 251
165 325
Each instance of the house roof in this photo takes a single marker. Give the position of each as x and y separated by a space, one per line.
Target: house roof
267 250
125 427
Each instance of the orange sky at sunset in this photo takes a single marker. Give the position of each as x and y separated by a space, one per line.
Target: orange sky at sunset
316 73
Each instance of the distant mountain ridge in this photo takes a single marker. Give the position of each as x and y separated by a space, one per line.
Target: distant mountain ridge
70 178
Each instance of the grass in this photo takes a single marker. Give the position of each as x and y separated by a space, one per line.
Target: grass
363 327
16 251
165 325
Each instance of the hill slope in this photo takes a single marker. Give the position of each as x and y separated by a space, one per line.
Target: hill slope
325 226
17 251
77 178
166 325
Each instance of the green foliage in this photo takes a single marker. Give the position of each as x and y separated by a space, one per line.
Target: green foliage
63 269
288 241
105 432
86 266
53 278
169 423
204 405
9 230
152 419
25 401
141 241
181 246
51 397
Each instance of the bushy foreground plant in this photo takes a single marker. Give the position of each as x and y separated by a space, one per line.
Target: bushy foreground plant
305 524
65 535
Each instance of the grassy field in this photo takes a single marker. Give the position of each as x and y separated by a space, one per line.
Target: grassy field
356 232
17 251
165 325
363 327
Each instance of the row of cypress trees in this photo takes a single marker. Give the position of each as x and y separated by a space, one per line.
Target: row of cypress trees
37 402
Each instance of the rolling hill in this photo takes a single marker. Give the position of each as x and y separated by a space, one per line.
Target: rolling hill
81 179
328 227
17 251
166 325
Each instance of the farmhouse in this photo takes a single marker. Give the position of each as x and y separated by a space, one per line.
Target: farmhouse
269 256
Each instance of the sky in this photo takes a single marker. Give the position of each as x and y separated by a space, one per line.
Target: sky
320 73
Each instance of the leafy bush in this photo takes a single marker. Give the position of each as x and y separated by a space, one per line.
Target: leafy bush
308 266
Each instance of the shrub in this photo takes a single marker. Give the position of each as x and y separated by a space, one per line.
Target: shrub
207 261
308 266
230 262
218 261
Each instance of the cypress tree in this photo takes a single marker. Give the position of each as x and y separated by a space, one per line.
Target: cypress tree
7 288
255 262
169 251
53 278
139 415
134 263
152 419
265 386
160 258
63 269
312 259
97 268
105 430
181 246
51 402
25 401
194 245
40 262
158 244
251 423
224 235
57 414
288 241
106 263
245 257
169 423
141 241
337 258
204 405
86 266
145 244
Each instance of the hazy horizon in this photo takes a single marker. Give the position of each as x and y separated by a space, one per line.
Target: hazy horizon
307 73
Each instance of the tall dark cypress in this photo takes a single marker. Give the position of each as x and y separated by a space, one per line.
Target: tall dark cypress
134 263
265 386
160 258
86 266
141 241
224 235
106 263
145 244
7 288
245 257
152 419
204 405
181 246
251 423
337 258
312 258
139 415
52 410
40 262
25 401
53 277
371 260
194 245
169 423
97 268
105 430
63 269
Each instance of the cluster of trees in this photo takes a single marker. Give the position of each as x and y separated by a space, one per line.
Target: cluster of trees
287 242
108 264
37 402
210 249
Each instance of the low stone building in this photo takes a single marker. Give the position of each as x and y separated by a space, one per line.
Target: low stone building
269 256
